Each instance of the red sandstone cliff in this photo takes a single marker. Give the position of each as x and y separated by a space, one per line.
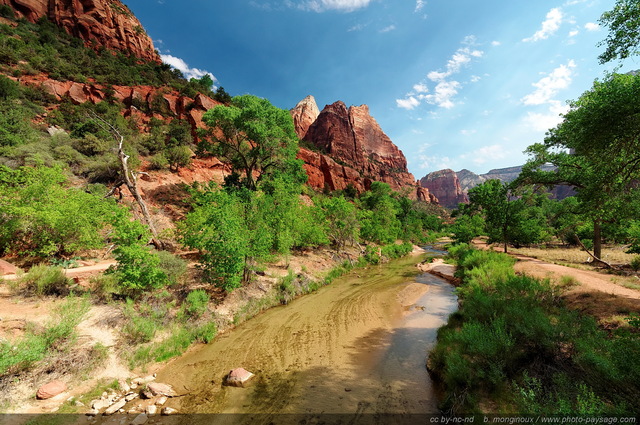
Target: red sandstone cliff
444 184
355 151
107 23
304 114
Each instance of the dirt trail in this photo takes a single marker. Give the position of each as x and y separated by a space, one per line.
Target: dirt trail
588 280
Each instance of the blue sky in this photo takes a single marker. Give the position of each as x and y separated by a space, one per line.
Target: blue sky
454 83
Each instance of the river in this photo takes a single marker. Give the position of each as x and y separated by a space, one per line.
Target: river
354 351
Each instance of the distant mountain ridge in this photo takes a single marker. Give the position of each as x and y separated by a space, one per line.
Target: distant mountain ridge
452 188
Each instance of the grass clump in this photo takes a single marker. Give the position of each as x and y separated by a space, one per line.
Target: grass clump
635 263
37 344
45 280
196 303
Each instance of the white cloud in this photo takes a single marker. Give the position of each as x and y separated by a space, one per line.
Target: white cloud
490 153
592 26
549 26
420 88
546 89
420 5
475 78
408 103
468 132
182 66
324 5
574 33
495 43
545 121
434 162
388 29
446 89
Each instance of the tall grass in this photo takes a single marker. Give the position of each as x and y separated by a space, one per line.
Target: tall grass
513 342
36 344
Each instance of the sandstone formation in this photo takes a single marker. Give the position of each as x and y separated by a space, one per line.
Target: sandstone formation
7 268
107 23
469 179
445 186
238 377
353 150
304 114
139 101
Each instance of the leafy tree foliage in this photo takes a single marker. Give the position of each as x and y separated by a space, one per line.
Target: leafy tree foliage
623 22
254 136
596 149
42 218
138 267
379 221
341 220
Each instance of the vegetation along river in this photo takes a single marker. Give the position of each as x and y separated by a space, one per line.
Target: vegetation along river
355 350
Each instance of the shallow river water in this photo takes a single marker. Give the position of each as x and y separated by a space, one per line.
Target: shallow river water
355 349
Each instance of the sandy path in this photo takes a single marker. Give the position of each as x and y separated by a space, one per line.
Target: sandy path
588 280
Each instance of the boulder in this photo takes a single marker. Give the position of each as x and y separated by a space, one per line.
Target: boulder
166 411
238 377
115 407
159 389
7 268
50 390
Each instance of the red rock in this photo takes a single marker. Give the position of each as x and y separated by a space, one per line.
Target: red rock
444 185
238 377
107 23
50 390
204 102
7 268
122 93
77 94
304 114
357 150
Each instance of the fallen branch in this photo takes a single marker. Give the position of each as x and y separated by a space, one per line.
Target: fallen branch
596 259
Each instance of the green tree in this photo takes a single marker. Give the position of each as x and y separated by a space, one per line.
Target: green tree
378 217
623 23
138 268
596 149
229 230
41 217
254 136
341 220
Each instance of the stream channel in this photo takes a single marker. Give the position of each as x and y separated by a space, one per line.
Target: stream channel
353 352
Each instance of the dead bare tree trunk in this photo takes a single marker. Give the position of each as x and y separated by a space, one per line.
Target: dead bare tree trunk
130 180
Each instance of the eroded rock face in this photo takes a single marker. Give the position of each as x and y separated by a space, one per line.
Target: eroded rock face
354 150
304 114
444 184
108 23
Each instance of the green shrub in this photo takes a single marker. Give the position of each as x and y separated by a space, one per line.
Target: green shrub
158 162
45 280
396 250
196 303
635 263
174 267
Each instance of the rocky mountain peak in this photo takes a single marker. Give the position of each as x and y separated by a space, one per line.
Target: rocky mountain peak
107 23
304 114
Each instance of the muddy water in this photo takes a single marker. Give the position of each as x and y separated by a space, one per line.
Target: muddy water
356 347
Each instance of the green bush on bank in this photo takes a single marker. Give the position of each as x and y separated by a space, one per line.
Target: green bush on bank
513 342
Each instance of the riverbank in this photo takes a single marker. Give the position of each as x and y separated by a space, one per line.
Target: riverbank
280 283
357 347
520 345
